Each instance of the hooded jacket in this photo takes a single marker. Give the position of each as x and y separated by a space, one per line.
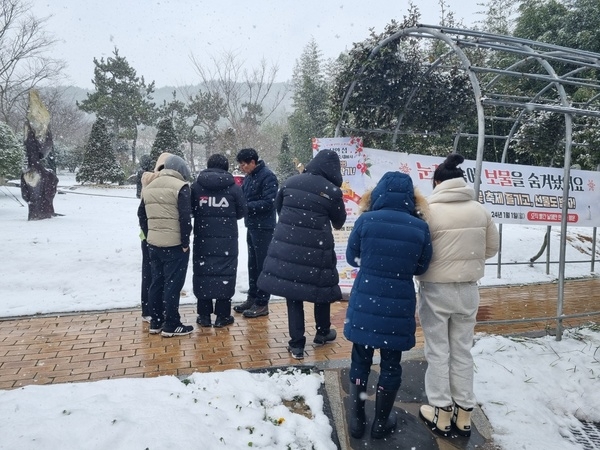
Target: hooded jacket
165 210
463 234
217 204
301 260
390 244
147 177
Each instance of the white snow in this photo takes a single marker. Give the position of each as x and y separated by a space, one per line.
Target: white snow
534 391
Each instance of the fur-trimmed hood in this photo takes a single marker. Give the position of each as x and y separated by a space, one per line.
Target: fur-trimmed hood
421 205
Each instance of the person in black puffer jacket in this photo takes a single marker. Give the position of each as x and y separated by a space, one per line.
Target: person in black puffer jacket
260 188
217 204
301 261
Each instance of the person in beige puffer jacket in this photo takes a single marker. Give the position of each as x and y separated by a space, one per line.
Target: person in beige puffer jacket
145 179
463 236
165 218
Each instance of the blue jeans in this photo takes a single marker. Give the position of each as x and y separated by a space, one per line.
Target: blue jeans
169 267
258 241
390 377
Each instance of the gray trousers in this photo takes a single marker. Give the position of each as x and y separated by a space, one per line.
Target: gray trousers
447 312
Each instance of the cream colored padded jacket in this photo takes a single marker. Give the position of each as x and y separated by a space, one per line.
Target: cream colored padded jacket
160 199
463 234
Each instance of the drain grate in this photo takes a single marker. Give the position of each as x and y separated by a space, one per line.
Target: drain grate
587 435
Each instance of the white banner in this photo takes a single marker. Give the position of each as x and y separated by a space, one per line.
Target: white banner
512 193
355 172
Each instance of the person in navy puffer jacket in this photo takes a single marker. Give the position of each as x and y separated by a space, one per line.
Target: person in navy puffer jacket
260 188
390 242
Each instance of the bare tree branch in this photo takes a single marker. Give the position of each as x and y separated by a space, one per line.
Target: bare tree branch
249 95
24 60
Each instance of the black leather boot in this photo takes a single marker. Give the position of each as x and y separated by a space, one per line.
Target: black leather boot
385 421
357 419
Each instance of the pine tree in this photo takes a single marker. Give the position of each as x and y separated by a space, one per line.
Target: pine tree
99 161
12 154
309 118
227 142
122 98
166 141
286 164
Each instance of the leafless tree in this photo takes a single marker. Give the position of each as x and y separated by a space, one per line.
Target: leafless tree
24 60
70 126
251 95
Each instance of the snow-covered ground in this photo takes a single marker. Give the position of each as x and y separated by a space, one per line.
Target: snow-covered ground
534 391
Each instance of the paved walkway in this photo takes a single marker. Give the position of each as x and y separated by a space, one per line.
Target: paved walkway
115 344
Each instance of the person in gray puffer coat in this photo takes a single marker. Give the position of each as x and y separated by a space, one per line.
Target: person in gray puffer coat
301 260
165 219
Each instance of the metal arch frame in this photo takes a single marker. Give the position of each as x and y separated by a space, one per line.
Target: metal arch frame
543 53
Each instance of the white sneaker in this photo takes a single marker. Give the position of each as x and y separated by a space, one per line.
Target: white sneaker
146 319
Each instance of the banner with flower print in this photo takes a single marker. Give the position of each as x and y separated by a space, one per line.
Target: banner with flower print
512 193
355 166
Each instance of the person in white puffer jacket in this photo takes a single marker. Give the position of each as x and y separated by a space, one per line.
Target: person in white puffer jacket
463 236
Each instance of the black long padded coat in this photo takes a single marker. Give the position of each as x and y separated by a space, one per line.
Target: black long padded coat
301 260
217 204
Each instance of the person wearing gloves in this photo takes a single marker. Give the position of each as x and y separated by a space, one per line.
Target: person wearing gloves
390 243
301 260
165 219
217 205
463 237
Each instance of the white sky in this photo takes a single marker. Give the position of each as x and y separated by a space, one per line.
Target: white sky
534 391
157 37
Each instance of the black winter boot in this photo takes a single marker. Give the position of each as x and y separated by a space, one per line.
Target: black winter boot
385 422
357 419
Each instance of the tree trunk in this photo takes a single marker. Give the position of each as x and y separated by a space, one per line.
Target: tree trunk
192 162
38 184
133 145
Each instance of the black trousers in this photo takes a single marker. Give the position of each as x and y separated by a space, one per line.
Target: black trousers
222 307
169 267
295 311
258 241
146 280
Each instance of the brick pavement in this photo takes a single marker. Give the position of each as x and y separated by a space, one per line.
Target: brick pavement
116 344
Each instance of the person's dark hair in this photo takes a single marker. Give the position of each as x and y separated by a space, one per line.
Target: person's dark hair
246 155
217 161
449 169
146 163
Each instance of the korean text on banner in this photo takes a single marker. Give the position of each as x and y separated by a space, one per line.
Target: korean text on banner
354 167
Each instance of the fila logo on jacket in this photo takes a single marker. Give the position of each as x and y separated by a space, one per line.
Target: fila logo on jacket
213 202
